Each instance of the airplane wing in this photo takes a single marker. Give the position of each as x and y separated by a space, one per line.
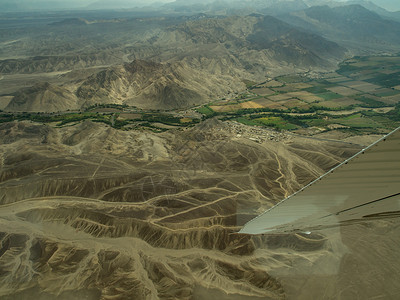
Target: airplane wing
364 186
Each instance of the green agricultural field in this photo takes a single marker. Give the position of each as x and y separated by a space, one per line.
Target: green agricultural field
247 121
360 87
384 121
249 83
368 102
291 78
277 122
380 67
316 90
206 110
386 92
386 80
317 122
357 121
329 96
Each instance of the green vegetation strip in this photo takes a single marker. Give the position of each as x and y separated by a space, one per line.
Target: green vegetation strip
370 103
206 110
382 71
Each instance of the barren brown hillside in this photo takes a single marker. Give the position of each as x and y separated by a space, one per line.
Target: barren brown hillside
90 211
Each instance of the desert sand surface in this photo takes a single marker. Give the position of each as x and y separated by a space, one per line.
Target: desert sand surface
89 212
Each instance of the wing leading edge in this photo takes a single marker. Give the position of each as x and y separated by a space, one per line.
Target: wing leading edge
364 186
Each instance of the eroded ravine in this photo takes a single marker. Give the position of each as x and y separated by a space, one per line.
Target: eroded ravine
144 221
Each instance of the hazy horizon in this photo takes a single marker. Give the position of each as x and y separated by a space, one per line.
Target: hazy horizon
28 5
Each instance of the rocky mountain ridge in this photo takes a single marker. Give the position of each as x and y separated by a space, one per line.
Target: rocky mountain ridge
187 64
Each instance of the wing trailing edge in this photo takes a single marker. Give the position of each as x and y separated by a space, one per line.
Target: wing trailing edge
365 186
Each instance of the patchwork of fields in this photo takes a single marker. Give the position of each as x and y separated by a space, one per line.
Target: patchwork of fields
363 94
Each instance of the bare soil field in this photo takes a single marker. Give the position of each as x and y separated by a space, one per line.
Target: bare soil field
263 91
361 86
305 96
225 108
280 97
344 91
291 103
250 104
341 102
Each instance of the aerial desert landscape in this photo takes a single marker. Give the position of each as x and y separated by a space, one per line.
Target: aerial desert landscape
84 214
136 144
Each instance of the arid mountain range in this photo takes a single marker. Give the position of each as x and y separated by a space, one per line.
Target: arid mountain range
352 25
177 66
226 50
